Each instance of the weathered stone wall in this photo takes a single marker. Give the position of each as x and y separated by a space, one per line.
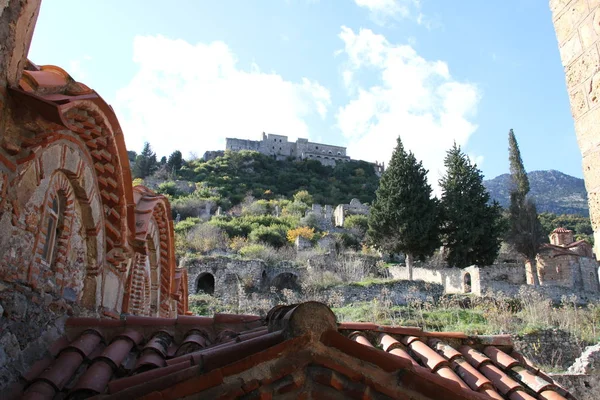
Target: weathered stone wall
577 26
549 348
582 387
399 292
451 279
232 278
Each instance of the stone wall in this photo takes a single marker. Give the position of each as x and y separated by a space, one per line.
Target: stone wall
552 348
577 27
398 292
582 387
583 377
232 278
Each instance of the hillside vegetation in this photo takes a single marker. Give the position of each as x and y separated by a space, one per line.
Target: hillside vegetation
237 174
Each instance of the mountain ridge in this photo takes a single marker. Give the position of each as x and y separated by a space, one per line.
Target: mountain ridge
552 190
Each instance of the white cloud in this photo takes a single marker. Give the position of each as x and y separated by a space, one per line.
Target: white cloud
190 97
383 10
413 97
77 70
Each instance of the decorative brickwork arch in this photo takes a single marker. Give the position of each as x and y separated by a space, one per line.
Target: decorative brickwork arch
139 291
60 175
64 103
154 210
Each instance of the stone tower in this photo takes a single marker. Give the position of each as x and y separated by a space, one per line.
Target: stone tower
577 26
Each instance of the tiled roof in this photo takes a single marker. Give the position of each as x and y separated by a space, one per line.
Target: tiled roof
561 230
297 351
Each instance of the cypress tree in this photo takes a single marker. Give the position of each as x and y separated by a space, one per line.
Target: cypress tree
471 227
404 216
525 232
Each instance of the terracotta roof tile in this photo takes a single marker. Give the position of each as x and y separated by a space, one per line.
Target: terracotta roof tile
160 358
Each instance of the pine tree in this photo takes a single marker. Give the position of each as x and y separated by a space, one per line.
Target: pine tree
525 232
404 216
471 228
175 162
145 162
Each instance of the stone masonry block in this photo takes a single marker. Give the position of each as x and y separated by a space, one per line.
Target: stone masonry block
591 170
556 6
589 30
592 88
568 20
593 4
578 103
583 67
570 49
587 129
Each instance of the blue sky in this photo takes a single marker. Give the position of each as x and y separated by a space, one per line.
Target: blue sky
186 74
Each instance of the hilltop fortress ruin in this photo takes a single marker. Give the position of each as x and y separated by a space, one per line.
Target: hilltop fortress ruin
280 148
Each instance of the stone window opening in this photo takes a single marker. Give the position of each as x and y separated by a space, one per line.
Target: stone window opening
205 284
330 152
339 153
467 283
54 226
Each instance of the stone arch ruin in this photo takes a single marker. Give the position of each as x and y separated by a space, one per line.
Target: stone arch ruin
285 280
205 283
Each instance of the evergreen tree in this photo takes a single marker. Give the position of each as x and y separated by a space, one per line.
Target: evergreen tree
404 216
525 232
175 162
163 160
471 228
145 162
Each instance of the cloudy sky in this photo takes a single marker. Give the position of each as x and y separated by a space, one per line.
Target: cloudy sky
187 74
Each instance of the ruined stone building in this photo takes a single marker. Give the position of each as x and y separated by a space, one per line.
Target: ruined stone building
75 237
567 263
279 147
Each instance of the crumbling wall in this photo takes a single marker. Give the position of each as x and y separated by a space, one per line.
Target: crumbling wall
553 348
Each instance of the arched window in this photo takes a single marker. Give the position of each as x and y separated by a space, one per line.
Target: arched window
339 153
54 226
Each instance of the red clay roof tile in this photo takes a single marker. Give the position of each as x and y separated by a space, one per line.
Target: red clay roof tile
499 357
183 356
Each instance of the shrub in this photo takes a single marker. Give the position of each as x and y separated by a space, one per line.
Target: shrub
359 223
310 220
237 242
295 208
253 251
273 235
186 224
303 197
259 207
190 206
137 182
304 231
205 238
169 188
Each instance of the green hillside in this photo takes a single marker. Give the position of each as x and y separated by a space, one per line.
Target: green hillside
237 174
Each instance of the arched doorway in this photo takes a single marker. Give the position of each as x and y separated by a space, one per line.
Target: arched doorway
205 284
467 283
